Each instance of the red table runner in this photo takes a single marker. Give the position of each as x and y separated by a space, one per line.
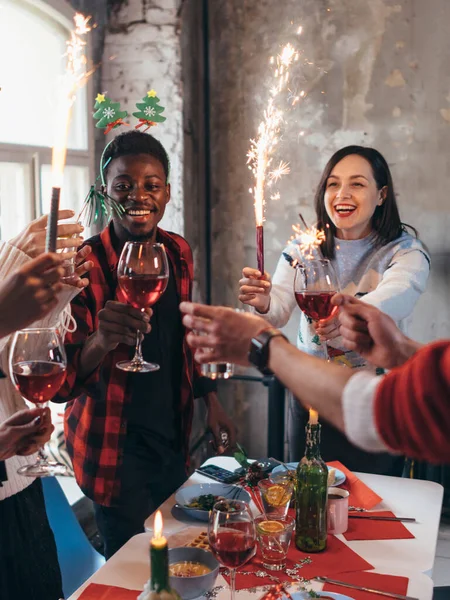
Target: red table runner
365 529
337 558
385 583
361 495
96 591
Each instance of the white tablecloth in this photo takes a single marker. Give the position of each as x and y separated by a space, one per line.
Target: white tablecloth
129 568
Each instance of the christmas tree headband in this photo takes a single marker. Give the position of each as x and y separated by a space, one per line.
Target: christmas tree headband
109 116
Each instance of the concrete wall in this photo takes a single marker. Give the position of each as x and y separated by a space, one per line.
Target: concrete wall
381 78
142 51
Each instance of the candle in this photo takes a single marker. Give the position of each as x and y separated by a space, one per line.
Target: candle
313 417
159 557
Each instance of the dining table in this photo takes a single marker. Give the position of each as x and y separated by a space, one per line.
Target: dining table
412 558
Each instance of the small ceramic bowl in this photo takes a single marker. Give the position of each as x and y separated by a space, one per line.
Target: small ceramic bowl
192 587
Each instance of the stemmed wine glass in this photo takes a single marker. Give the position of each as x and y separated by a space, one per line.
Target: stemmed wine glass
142 274
38 363
314 285
232 536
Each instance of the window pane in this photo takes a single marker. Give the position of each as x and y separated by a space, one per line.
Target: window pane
15 198
34 45
73 190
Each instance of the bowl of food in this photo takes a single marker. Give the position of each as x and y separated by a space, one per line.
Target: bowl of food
192 571
197 500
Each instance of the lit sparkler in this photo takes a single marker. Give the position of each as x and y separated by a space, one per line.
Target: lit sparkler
75 76
259 156
308 239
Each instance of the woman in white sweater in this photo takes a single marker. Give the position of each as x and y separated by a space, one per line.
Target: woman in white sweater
374 258
28 560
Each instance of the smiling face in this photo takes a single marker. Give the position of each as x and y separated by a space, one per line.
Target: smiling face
138 183
351 197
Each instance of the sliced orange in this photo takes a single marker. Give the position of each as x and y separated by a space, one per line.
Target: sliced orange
277 495
271 526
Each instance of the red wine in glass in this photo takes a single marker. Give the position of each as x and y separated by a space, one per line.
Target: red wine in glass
232 548
37 364
315 284
37 380
143 290
142 275
317 305
232 535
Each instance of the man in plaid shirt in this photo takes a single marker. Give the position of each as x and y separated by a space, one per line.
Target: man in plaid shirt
128 433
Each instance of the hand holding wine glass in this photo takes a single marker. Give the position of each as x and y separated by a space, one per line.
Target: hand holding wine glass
232 536
314 285
37 364
142 274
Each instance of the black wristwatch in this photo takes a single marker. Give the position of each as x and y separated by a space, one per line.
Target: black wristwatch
258 353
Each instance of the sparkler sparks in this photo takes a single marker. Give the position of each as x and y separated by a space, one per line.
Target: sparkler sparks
282 169
75 76
308 239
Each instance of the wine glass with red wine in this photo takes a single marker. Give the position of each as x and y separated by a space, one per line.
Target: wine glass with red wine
314 285
38 363
232 536
142 274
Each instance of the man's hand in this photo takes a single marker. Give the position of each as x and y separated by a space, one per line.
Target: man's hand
119 324
328 329
25 432
371 333
218 421
220 334
30 293
32 239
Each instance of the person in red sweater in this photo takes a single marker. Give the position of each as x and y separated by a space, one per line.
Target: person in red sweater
406 411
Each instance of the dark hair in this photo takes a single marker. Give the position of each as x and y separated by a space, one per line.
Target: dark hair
133 143
386 219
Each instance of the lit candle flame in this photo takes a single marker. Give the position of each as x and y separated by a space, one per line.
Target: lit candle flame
313 416
158 525
75 76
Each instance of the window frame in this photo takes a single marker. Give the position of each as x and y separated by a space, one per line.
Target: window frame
35 156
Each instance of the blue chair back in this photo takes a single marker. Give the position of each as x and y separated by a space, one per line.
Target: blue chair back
78 560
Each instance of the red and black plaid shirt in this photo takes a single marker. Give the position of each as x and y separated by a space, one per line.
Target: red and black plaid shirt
95 425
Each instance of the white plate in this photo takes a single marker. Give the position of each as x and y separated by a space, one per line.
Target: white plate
306 596
186 494
339 479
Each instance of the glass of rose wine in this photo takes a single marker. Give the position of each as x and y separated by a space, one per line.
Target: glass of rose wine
142 274
232 536
314 285
38 363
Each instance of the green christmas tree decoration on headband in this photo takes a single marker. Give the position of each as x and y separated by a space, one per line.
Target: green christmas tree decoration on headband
150 110
108 113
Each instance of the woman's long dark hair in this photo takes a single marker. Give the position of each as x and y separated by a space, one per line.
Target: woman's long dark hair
386 219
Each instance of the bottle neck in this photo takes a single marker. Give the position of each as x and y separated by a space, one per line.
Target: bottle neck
159 559
312 449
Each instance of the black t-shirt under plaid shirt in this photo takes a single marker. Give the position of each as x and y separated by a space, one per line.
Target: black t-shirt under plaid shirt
153 414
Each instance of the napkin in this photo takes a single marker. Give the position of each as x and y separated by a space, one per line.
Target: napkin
337 557
365 529
96 591
378 581
360 494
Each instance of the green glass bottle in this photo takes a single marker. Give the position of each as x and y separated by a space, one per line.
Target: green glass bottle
311 495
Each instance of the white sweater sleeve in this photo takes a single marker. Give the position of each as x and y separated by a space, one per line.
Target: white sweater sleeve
282 299
358 400
402 284
11 259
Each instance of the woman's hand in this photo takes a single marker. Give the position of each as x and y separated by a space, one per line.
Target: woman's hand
254 290
82 267
25 432
328 329
31 240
